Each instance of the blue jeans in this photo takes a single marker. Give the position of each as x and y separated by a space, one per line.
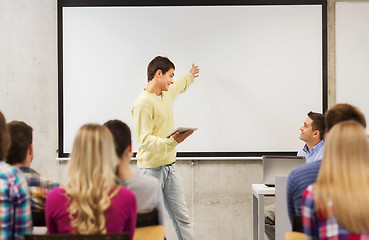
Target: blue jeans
174 199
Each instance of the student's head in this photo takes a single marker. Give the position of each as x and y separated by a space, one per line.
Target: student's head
21 140
313 129
121 134
343 112
91 176
4 138
159 63
344 176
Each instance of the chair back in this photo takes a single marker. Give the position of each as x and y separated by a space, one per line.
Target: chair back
294 236
297 224
156 232
38 218
118 236
147 219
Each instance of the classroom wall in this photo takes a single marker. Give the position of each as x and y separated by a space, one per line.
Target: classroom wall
218 192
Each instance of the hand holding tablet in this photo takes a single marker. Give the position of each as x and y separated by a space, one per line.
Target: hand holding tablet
181 130
180 134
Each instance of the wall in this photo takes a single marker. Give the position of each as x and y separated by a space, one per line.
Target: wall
218 192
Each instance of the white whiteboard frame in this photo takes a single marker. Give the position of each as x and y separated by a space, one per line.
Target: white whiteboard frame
257 153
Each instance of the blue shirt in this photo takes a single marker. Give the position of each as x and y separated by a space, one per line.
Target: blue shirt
315 154
298 180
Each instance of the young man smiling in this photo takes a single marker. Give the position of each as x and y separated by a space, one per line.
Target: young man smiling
312 133
153 121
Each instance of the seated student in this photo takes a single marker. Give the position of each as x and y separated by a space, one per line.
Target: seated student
147 189
15 217
312 133
304 175
21 155
335 207
91 202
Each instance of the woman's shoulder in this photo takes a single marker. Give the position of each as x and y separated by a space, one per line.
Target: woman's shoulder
57 192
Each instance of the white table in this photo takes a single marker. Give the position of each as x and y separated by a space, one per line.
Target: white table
259 191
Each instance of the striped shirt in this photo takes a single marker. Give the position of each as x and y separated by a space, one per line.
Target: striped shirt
15 208
39 187
298 180
317 226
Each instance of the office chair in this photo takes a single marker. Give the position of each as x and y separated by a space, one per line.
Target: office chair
147 219
294 236
297 224
148 228
38 218
154 232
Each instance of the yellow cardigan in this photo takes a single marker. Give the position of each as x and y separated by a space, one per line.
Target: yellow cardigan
153 121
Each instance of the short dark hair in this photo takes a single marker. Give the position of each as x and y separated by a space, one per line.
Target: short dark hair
121 134
318 123
343 112
4 138
159 63
21 135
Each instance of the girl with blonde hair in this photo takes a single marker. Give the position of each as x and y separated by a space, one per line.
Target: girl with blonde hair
91 202
336 207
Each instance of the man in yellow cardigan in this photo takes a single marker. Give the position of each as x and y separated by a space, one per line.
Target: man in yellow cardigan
153 121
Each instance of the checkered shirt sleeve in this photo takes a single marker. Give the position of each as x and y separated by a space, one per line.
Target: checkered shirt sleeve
15 210
309 220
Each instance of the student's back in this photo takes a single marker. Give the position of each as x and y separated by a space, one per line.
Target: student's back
21 156
148 194
15 215
335 207
119 216
92 202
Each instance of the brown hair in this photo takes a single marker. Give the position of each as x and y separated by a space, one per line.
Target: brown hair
158 63
343 112
21 139
318 123
121 134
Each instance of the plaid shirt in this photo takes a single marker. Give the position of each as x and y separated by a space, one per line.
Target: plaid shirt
15 208
317 226
39 187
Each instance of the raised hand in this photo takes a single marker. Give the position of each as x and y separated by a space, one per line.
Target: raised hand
195 71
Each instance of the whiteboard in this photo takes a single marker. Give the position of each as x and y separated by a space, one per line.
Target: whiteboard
260 70
352 54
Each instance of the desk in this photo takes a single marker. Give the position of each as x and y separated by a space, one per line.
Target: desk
259 191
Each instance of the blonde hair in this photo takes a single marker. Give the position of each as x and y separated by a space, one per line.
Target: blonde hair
343 180
91 179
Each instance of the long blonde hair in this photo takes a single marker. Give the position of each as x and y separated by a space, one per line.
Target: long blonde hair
91 178
343 180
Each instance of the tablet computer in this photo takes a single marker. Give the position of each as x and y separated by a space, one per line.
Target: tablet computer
181 130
